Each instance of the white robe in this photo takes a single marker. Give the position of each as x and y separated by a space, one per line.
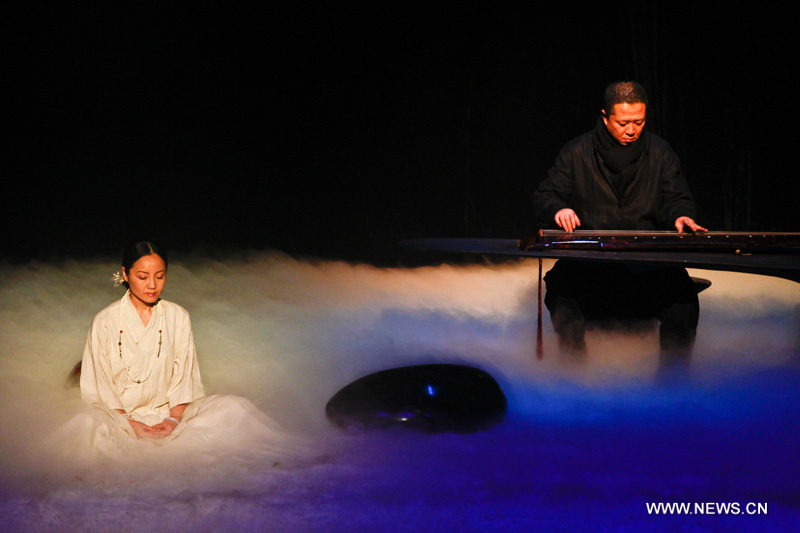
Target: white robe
215 433
175 375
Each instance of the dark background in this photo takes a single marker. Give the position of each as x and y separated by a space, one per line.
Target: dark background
338 130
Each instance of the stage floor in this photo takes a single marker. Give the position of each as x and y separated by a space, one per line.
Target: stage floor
585 446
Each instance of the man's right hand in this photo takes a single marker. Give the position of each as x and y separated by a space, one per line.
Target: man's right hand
567 220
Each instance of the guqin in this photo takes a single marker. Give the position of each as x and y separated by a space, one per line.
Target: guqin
740 242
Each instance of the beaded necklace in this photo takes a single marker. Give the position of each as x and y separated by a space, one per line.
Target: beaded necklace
158 348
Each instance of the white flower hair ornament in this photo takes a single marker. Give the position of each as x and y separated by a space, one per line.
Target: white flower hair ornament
117 279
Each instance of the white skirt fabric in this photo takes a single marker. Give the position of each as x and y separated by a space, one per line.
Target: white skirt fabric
218 436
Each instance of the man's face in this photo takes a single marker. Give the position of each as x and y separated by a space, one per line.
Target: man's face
625 122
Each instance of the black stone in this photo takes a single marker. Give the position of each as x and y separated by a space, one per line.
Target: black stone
430 398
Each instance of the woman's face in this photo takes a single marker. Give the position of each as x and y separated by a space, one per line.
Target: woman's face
146 279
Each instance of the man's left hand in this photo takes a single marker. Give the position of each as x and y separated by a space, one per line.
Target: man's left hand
685 222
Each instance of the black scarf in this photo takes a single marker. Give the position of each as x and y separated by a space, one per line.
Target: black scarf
620 162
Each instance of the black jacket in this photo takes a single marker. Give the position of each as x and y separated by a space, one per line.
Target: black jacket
657 195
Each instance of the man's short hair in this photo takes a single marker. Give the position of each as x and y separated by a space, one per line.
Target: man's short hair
623 92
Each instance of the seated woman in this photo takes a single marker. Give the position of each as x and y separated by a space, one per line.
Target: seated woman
140 376
139 359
